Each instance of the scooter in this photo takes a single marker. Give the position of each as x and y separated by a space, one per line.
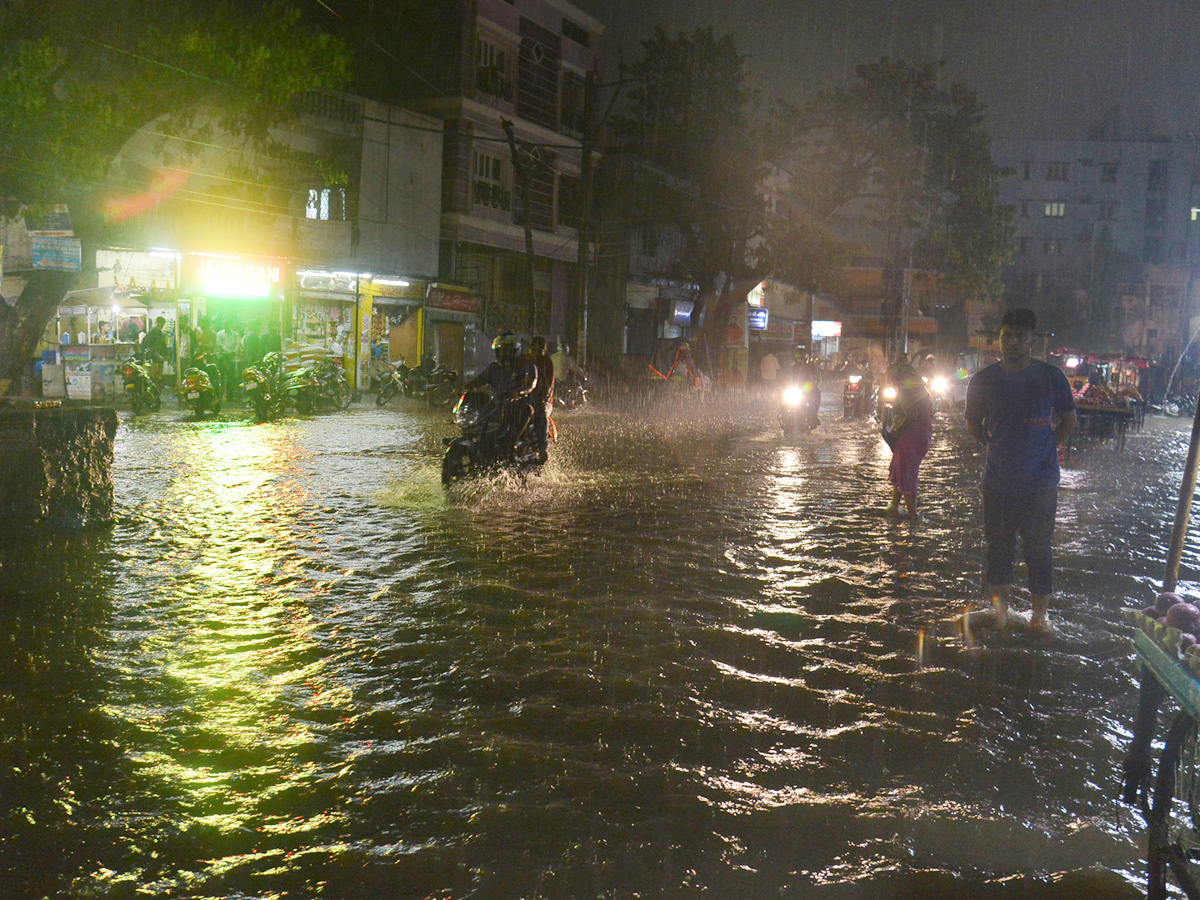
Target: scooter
200 387
798 409
858 397
140 386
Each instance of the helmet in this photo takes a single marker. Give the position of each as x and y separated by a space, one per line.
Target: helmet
505 345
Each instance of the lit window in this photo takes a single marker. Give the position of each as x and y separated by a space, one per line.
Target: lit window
1056 209
326 204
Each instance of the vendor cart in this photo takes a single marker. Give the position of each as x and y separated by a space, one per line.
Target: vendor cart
1102 423
1172 808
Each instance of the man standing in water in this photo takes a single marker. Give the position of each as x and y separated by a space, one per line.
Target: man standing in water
1023 409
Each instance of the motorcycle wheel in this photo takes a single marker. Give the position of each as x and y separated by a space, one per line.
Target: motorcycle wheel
153 400
443 394
457 464
304 403
262 409
341 394
215 406
136 401
386 391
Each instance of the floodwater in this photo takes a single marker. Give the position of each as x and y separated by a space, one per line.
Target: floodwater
687 659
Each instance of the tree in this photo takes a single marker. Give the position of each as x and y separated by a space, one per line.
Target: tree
78 79
689 119
894 166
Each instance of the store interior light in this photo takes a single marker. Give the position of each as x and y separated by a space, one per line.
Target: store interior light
1073 362
394 282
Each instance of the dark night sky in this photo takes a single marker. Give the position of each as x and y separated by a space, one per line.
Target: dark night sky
1046 68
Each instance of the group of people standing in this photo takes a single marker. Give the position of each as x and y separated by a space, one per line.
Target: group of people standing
228 349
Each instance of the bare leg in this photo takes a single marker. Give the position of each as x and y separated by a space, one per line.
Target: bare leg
910 504
895 504
1040 620
1000 604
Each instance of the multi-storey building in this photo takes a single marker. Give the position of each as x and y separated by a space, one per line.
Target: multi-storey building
508 78
1109 238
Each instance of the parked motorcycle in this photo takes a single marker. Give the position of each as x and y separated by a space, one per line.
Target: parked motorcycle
798 410
200 387
140 386
437 386
301 388
262 383
393 383
571 393
858 397
487 442
332 385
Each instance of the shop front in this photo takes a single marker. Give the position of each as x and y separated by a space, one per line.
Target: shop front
451 327
325 308
239 292
389 317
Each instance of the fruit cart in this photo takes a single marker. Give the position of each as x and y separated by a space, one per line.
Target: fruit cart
1169 796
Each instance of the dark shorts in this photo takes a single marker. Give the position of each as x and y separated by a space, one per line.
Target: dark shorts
1030 516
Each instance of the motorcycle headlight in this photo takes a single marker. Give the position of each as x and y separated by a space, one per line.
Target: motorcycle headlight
855 379
940 385
793 394
889 393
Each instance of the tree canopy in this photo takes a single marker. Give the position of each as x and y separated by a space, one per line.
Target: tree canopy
896 162
690 117
78 79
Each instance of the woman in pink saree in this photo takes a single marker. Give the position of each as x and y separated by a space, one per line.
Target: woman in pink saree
912 433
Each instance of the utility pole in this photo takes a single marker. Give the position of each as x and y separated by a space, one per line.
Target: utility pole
522 175
583 255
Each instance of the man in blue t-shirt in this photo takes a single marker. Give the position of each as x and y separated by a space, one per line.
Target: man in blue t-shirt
1023 409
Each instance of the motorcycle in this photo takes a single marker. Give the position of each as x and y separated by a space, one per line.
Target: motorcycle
301 388
571 393
486 442
393 383
798 410
263 387
200 387
437 386
939 390
332 386
140 386
858 397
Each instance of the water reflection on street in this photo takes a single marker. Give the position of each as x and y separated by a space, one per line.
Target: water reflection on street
688 656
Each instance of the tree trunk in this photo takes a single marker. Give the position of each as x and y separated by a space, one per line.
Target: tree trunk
22 325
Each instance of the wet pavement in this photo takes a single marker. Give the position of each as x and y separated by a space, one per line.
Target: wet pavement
686 658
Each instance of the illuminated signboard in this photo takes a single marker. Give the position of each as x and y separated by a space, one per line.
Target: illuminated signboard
757 295
756 319
822 328
233 276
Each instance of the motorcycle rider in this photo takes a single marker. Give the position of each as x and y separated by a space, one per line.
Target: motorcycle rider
154 345
807 374
512 378
565 366
542 395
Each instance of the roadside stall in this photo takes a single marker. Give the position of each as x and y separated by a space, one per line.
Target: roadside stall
94 335
1106 395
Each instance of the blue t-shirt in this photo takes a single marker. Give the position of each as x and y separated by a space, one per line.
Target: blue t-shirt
1015 410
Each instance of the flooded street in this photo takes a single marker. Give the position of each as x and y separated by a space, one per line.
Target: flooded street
682 661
